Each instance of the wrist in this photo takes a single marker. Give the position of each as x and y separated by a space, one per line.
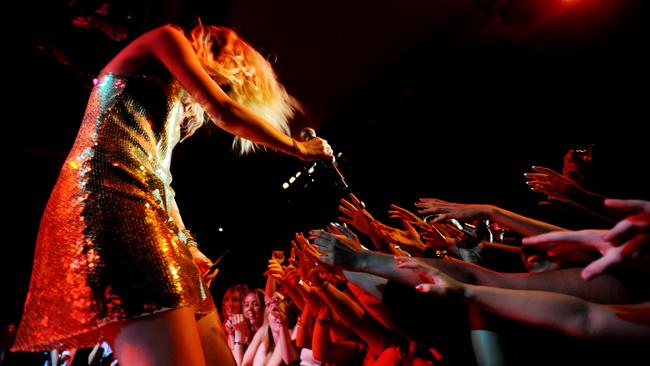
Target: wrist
361 261
294 147
489 212
190 241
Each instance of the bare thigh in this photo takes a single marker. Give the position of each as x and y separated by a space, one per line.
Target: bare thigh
213 339
168 338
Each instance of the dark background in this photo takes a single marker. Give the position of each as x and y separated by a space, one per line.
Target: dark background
422 98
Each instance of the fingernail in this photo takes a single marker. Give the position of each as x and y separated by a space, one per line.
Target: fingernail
419 287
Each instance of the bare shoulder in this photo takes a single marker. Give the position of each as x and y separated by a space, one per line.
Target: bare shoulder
165 32
138 56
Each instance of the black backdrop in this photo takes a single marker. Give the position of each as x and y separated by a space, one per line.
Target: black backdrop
416 99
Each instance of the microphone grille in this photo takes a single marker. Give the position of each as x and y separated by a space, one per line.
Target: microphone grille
307 134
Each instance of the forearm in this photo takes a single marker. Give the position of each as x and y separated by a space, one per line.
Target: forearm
174 51
355 317
269 288
288 349
321 343
383 265
369 283
564 313
241 121
293 292
548 310
304 333
564 281
345 309
311 298
237 349
249 354
596 208
525 226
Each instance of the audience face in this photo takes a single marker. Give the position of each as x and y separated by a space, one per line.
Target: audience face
253 309
232 303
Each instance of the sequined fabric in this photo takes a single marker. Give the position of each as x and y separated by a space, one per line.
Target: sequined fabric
107 249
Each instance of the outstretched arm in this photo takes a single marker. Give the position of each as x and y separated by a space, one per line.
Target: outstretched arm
525 226
169 45
623 242
338 250
564 313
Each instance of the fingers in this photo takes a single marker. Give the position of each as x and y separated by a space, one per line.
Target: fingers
541 169
356 201
327 149
333 229
597 267
402 212
296 249
346 211
622 232
550 237
557 251
354 206
344 230
208 279
536 176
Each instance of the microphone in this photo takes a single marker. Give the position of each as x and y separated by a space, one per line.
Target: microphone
330 166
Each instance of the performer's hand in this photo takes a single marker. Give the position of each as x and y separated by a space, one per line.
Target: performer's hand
313 149
204 264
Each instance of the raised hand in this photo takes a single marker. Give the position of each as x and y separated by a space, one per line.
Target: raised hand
446 211
437 236
306 257
239 326
313 149
554 185
409 237
403 214
636 223
336 228
204 264
355 214
583 239
275 270
562 241
336 249
434 280
277 319
291 276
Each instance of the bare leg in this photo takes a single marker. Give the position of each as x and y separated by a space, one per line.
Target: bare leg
213 339
169 338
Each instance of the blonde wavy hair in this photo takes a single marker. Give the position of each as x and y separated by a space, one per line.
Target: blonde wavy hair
245 75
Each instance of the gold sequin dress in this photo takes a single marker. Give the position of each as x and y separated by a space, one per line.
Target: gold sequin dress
107 249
